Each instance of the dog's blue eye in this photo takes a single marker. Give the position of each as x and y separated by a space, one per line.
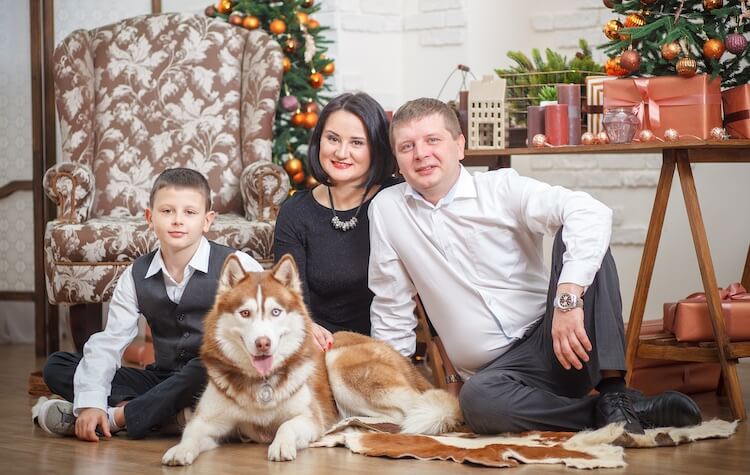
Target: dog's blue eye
245 313
276 312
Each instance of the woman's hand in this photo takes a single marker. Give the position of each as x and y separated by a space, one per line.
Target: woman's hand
323 337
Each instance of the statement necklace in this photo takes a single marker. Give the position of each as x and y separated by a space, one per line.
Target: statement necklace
336 222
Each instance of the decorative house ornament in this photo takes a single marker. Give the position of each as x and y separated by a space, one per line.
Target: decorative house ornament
487 117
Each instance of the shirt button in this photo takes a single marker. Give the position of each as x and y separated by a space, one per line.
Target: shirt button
182 353
181 317
186 334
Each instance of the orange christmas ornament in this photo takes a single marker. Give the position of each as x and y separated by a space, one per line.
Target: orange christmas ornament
313 24
614 68
224 6
687 67
329 69
290 46
611 29
298 118
311 118
277 27
316 80
235 18
307 3
302 18
311 182
286 63
635 20
293 166
671 50
310 106
713 48
298 178
251 22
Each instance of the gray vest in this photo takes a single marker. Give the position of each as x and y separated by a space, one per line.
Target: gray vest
177 329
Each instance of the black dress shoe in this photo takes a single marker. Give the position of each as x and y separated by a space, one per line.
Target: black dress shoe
617 407
668 409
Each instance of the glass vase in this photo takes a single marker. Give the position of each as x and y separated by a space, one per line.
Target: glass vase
621 124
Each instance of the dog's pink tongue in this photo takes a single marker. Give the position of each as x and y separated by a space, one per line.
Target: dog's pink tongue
263 364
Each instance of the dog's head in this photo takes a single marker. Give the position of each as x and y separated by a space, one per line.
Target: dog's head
259 318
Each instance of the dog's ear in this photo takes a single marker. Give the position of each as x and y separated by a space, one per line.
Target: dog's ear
231 273
285 271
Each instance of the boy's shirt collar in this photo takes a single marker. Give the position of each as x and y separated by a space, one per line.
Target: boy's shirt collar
199 261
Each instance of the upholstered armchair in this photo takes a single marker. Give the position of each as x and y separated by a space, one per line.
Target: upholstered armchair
140 96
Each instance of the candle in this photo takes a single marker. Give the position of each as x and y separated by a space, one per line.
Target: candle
534 122
556 124
570 95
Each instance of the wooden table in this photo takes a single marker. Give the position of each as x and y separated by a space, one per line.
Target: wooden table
674 155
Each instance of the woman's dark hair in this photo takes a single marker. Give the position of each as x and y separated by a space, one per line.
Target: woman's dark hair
373 117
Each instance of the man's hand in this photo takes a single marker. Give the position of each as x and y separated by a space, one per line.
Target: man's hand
323 337
88 420
569 338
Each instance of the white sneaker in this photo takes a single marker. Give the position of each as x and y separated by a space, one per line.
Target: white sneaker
55 416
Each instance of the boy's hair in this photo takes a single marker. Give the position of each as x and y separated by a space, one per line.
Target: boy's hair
373 117
182 178
424 107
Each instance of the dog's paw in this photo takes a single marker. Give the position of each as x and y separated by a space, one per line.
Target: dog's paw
282 449
181 454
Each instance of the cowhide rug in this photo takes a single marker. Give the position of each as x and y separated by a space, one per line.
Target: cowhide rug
602 448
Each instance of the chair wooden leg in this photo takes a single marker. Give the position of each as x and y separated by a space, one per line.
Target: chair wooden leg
85 320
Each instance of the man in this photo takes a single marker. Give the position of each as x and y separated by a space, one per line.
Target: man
529 348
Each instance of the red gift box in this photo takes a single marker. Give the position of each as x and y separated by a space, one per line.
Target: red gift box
737 111
688 319
692 106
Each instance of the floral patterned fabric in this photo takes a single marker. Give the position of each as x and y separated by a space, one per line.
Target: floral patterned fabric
140 96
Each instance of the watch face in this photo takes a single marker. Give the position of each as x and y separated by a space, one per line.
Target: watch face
566 301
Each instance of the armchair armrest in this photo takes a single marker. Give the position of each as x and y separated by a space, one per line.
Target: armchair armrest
264 186
70 185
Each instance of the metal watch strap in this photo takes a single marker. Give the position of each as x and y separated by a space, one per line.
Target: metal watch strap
453 378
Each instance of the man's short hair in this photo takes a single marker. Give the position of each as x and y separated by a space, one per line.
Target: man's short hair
182 178
424 107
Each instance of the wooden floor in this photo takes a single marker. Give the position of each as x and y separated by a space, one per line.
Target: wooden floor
25 449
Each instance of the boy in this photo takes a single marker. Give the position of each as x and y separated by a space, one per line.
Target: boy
530 347
173 287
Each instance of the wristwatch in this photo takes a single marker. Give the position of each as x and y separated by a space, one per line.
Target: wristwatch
567 302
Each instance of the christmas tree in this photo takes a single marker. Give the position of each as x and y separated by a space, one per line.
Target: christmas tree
305 67
667 37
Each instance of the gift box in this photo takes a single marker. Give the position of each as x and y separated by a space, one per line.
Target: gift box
594 107
737 111
692 106
652 376
688 319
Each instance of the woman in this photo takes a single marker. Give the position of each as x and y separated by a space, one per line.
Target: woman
326 229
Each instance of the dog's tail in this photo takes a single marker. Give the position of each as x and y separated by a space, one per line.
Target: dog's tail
435 411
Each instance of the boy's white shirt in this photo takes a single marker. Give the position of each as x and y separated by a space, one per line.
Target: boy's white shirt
102 354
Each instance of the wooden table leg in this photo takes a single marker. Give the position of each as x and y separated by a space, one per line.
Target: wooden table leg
708 275
653 236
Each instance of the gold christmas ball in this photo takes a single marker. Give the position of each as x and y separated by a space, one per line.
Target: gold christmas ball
634 20
539 140
671 135
298 178
298 118
311 118
313 24
670 51
290 46
251 22
307 3
277 27
630 60
302 18
613 67
316 80
713 48
286 63
645 135
311 182
224 6
329 69
587 138
310 106
293 166
711 4
687 67
235 18
719 133
612 28
292 191
602 137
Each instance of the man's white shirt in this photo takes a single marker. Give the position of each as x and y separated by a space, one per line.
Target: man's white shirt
102 354
476 260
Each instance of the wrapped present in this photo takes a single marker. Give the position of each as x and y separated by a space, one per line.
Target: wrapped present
594 107
692 106
737 111
689 320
